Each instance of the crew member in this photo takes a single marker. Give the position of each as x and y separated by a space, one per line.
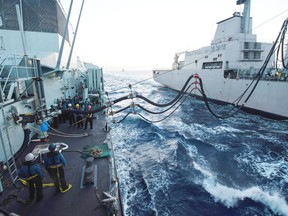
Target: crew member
32 173
89 118
71 116
54 162
79 117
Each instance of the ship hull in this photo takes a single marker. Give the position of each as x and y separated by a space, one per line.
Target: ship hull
268 99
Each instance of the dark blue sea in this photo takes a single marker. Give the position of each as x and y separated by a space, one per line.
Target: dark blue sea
193 163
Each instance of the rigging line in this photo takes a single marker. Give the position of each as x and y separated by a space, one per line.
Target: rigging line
110 106
136 83
257 78
182 94
171 102
266 62
152 113
169 113
4 59
61 135
133 105
151 121
282 45
131 94
124 87
129 106
98 109
202 92
141 81
70 135
129 97
161 112
118 111
209 108
124 117
236 101
78 151
270 19
279 57
83 119
60 132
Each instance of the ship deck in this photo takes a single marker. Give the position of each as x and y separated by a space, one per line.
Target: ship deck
78 200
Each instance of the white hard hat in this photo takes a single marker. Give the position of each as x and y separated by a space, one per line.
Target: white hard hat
69 104
29 157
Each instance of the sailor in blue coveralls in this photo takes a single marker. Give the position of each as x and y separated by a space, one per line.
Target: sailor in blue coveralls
32 173
54 163
71 116
89 118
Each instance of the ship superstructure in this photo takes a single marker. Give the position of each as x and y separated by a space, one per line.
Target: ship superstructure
36 29
37 71
229 65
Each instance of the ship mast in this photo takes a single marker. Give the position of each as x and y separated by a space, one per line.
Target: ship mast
21 28
71 51
246 15
64 36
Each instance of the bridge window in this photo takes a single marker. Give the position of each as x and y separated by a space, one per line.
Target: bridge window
212 65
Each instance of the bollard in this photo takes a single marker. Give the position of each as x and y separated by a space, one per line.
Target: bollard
89 162
89 171
89 176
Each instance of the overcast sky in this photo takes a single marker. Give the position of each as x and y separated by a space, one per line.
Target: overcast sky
145 34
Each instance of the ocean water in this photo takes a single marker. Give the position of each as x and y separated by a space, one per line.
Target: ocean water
193 163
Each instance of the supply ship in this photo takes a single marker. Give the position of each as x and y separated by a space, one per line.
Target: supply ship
236 69
39 74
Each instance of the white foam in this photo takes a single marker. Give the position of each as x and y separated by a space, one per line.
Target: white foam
264 165
134 157
231 196
203 133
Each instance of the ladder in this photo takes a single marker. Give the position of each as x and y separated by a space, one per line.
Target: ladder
13 170
8 153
